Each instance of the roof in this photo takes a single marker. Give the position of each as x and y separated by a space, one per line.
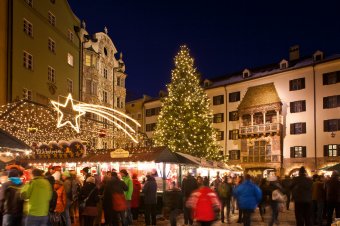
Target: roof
10 142
260 95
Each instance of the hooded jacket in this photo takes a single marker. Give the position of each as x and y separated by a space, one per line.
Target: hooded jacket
248 195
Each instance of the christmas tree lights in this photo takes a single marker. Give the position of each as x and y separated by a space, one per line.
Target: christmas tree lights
185 120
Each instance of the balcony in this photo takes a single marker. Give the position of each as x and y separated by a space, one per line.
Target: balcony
260 129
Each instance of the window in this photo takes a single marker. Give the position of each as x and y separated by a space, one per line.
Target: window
150 127
69 86
152 111
51 18
70 35
90 60
91 87
28 28
217 100
234 97
27 94
234 155
331 150
29 2
51 45
28 61
233 134
118 81
331 78
298 151
105 73
297 106
51 74
298 128
118 102
259 152
297 84
219 135
104 145
105 96
331 125
233 116
331 102
70 59
218 118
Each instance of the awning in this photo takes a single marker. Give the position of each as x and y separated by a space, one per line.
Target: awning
10 142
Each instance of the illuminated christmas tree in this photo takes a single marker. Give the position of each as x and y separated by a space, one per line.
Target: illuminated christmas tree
185 121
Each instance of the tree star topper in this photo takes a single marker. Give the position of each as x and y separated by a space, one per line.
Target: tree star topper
75 108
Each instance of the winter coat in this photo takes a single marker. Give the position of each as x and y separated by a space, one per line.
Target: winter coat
189 184
173 199
38 192
61 197
128 194
302 189
136 193
248 195
150 191
332 188
85 192
68 188
112 186
205 204
10 200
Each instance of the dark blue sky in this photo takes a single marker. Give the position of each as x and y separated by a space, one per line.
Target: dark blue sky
223 36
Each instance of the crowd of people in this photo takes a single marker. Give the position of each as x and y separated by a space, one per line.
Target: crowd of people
59 198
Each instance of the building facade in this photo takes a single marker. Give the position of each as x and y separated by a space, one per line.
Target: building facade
275 118
42 51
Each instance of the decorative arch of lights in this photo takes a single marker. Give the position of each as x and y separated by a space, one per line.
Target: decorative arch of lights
117 118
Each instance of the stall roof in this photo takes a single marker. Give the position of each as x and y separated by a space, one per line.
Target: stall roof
10 142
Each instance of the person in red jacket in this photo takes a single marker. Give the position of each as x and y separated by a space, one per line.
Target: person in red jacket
135 196
205 204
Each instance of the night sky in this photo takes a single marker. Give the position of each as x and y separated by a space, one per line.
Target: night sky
223 36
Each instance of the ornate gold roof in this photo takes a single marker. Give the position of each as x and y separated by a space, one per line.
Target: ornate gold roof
257 96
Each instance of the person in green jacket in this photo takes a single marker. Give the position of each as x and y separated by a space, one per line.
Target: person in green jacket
128 194
38 192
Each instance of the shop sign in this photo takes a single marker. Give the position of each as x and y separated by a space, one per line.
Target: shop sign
119 153
71 150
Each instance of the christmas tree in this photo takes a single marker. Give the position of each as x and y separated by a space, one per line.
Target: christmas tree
185 121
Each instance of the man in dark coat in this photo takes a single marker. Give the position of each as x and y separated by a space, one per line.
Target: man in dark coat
172 201
150 200
189 184
332 188
302 193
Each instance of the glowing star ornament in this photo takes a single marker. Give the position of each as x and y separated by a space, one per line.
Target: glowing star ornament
61 108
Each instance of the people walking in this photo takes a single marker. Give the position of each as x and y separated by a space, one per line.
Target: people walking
38 192
66 177
332 188
189 184
276 198
302 194
224 191
172 202
286 185
150 200
135 197
128 194
248 196
205 204
11 204
89 194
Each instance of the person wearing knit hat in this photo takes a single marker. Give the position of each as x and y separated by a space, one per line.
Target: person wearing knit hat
10 203
302 193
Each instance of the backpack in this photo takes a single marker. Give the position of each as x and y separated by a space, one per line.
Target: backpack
13 194
224 190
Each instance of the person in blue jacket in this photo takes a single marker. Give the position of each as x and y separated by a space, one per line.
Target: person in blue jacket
248 196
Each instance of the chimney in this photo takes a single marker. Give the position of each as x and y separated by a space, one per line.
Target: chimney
294 53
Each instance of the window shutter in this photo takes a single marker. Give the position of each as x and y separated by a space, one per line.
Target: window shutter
230 134
324 79
338 124
290 85
304 151
304 127
222 117
291 107
303 105
325 150
238 155
338 101
292 131
292 152
325 126
338 76
325 102
302 83
338 150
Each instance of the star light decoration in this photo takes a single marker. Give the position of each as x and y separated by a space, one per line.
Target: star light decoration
75 108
